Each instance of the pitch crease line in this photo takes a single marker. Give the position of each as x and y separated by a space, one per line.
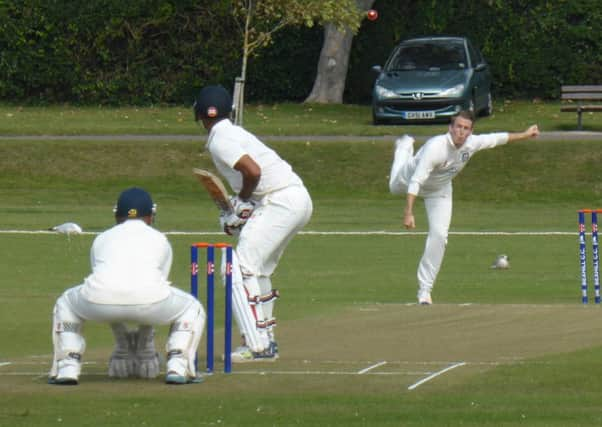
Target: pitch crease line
436 374
5 363
369 368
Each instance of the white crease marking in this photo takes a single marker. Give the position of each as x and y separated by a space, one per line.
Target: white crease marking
436 374
369 368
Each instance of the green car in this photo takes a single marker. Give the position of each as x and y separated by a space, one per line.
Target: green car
431 79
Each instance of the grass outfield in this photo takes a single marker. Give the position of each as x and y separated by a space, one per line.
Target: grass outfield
352 341
505 348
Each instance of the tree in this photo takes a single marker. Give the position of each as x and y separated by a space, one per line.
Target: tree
331 75
258 20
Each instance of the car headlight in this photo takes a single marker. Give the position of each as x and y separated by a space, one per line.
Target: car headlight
453 92
384 93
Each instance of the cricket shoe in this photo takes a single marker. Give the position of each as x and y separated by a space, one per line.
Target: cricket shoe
177 372
424 298
173 378
244 354
68 371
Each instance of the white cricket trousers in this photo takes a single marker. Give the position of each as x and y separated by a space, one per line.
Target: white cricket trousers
438 205
281 215
160 313
262 241
439 212
180 309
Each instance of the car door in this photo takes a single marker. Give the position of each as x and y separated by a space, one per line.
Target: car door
481 77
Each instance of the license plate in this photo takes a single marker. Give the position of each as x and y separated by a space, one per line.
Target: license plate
418 115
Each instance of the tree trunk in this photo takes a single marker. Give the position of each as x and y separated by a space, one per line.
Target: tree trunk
331 75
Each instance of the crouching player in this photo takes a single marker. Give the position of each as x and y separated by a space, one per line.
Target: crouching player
129 284
270 207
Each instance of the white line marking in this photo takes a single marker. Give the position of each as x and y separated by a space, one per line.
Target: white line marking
336 233
94 233
354 373
45 374
436 374
369 368
456 233
43 363
338 373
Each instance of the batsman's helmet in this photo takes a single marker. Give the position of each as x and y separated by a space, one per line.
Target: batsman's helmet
213 102
134 203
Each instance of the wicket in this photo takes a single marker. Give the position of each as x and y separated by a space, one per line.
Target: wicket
210 303
583 254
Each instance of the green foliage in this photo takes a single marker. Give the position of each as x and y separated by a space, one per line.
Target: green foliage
161 51
113 52
262 18
270 78
540 45
532 46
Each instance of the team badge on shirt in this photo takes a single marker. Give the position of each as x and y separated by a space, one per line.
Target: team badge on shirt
465 157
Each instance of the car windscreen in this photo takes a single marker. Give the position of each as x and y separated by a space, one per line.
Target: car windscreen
428 55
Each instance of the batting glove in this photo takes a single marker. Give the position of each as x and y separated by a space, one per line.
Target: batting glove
231 223
242 208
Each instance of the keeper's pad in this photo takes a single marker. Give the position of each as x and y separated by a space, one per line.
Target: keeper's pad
247 312
121 363
147 358
66 334
134 354
183 340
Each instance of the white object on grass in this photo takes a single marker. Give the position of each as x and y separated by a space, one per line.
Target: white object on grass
67 228
502 262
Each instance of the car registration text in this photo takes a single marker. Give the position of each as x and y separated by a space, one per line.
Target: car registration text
418 115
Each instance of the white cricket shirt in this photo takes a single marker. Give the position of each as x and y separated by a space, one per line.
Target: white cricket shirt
227 143
438 161
130 265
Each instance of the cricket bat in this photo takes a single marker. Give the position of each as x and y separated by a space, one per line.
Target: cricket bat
215 187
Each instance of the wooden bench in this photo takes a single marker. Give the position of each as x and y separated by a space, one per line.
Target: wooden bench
581 99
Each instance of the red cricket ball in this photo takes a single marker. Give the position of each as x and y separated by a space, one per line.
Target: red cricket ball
372 15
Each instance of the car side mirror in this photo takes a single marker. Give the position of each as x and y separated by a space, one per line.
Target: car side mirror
376 69
480 67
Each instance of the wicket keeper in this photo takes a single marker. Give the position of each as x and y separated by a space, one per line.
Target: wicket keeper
129 284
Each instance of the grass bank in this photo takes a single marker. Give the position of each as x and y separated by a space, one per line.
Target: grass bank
279 119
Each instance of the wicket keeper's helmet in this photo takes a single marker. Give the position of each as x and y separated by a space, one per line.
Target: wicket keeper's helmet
134 203
213 102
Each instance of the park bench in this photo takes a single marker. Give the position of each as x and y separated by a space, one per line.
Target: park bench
581 99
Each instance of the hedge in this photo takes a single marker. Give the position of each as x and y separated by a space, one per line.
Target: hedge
161 51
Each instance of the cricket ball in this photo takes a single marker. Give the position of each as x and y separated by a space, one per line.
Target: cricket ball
372 15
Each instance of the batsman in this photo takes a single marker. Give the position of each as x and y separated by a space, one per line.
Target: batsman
270 206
